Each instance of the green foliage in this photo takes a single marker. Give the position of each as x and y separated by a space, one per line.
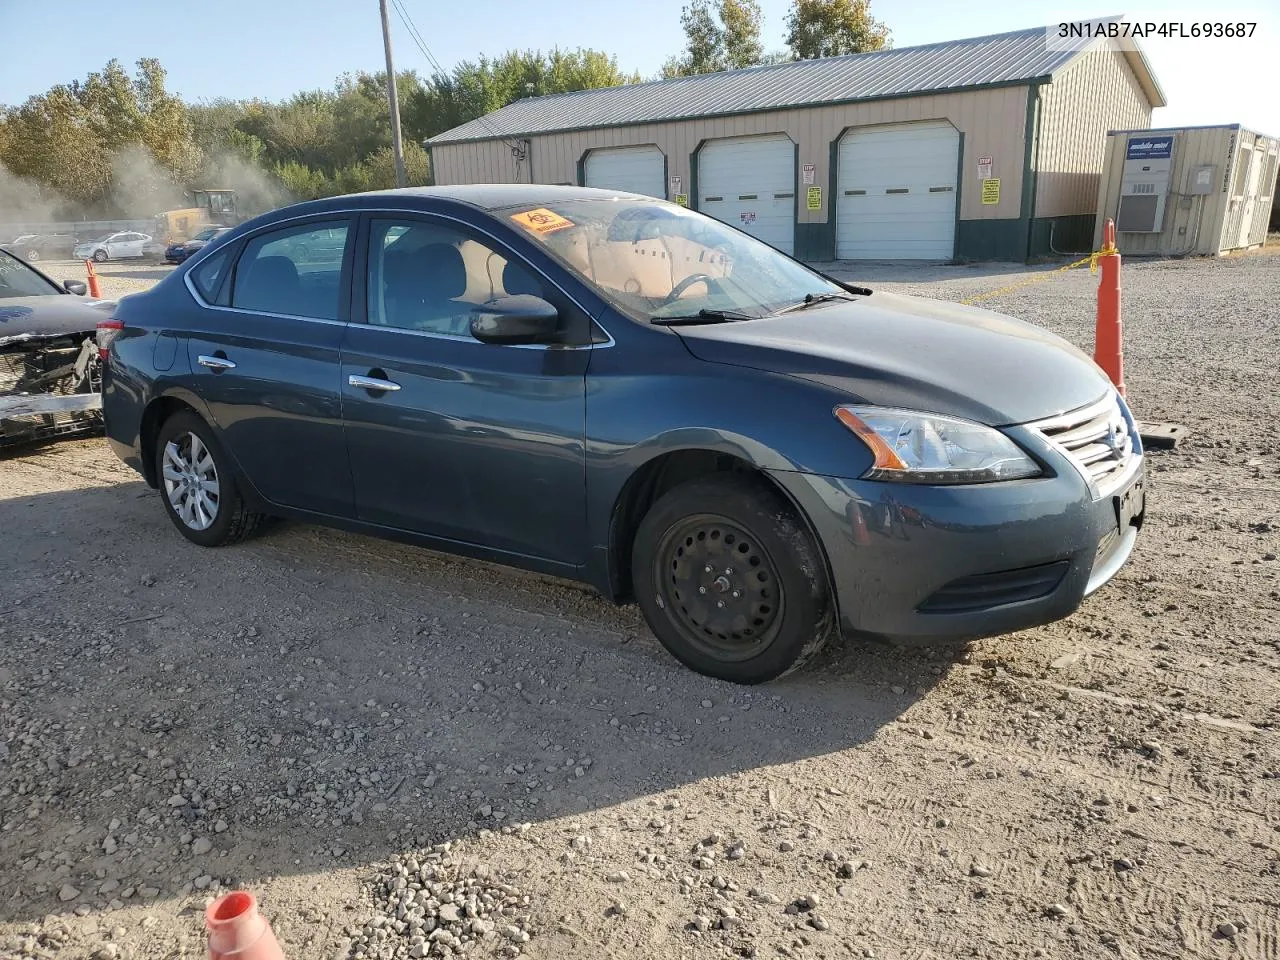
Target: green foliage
118 144
832 28
475 88
69 138
723 37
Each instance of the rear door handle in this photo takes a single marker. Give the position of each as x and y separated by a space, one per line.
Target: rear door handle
215 363
373 383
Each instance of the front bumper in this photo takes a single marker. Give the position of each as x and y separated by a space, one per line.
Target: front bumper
963 562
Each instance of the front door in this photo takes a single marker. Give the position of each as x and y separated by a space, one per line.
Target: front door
265 359
472 442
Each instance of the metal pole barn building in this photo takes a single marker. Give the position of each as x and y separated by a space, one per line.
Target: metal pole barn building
987 148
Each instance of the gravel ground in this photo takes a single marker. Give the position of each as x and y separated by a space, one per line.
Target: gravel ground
404 754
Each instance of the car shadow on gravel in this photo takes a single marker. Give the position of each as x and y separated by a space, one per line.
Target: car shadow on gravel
313 699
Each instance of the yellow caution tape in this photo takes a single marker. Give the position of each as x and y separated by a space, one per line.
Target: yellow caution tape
1091 260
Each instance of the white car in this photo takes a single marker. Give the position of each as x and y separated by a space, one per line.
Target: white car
114 246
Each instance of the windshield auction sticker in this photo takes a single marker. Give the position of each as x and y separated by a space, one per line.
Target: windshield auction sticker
541 220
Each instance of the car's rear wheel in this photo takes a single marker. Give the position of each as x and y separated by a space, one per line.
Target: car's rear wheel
100 256
730 581
198 485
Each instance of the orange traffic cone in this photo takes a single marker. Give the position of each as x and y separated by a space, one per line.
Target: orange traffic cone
1108 342
94 290
237 931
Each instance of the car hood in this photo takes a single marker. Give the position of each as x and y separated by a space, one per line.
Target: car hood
56 315
916 353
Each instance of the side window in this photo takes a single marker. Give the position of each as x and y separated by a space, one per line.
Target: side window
296 271
427 277
208 276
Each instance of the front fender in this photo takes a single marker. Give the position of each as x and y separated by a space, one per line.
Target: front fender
772 422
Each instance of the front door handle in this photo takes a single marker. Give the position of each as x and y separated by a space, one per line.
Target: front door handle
216 364
373 383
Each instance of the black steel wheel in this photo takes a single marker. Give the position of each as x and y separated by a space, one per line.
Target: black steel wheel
730 581
721 585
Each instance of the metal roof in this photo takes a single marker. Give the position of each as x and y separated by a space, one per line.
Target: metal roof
1003 58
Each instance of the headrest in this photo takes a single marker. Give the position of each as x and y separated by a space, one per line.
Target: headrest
517 280
271 282
444 274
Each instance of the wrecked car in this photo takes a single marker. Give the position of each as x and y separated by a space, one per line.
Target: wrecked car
50 372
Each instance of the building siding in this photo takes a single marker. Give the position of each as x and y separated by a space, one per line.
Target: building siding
1096 94
991 120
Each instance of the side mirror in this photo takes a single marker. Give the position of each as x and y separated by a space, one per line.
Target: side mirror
78 287
516 320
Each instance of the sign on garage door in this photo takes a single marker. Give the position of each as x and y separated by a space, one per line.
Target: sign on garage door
629 170
750 183
896 192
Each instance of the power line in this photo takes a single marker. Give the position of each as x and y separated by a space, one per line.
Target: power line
518 149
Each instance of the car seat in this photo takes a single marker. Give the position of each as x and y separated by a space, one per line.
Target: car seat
271 286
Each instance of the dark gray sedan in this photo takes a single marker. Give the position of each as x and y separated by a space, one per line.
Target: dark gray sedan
626 392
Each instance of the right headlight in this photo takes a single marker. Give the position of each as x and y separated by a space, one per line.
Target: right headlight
914 447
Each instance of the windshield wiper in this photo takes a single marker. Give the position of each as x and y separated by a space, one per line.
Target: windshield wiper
702 316
810 299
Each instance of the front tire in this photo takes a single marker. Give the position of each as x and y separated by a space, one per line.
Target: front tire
99 256
33 256
730 580
198 485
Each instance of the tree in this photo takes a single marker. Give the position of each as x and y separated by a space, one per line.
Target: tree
724 38
79 138
832 28
475 88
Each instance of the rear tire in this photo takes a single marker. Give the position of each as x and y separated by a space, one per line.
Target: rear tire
198 484
730 580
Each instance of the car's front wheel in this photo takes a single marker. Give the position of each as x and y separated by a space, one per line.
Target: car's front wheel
33 255
730 581
198 485
100 256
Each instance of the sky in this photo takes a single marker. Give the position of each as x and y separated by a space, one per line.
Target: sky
272 48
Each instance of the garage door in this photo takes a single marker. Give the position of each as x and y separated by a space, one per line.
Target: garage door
896 192
750 182
629 169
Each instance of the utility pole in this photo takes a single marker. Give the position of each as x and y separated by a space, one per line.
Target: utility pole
397 144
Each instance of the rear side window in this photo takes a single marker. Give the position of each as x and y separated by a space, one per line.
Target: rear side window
295 272
207 277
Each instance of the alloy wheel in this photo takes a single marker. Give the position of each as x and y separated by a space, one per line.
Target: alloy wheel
191 481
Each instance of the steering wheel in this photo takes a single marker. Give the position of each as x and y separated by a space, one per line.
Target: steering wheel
688 282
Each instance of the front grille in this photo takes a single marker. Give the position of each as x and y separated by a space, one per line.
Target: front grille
1097 438
986 590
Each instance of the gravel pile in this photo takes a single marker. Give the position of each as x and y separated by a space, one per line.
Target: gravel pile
430 905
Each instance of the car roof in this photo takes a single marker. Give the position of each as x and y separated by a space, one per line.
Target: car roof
485 196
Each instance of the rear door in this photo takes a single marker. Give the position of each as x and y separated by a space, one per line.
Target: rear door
473 442
265 359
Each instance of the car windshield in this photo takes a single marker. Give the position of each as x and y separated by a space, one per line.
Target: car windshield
19 280
207 234
656 260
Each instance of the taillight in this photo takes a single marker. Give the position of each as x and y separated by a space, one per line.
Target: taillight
107 332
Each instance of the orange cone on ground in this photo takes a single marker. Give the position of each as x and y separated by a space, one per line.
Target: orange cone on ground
94 290
1108 345
237 931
